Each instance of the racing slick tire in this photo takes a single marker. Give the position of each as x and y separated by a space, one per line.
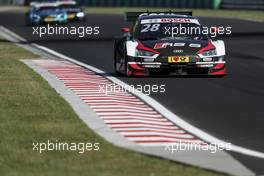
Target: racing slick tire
117 72
127 71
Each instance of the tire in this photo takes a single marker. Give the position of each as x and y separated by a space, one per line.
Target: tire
115 62
117 71
126 62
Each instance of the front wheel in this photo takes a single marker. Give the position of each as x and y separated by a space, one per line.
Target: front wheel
126 69
115 62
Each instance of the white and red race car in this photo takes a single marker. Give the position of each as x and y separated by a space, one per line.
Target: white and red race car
152 46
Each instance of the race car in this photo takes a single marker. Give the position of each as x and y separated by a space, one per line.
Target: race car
74 12
152 46
49 12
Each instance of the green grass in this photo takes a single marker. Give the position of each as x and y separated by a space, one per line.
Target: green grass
240 14
31 111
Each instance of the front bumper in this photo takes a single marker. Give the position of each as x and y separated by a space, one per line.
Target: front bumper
75 17
47 20
55 19
217 68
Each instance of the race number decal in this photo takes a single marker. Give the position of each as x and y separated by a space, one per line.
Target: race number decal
150 27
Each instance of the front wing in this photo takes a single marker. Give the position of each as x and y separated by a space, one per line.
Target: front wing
159 68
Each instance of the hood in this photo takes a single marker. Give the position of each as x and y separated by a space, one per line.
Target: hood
175 47
72 10
50 13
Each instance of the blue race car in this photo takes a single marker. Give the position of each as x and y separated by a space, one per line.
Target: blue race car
41 13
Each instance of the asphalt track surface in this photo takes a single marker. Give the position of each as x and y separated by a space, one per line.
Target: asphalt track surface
229 108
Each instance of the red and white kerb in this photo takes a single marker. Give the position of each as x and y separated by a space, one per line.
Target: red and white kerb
122 111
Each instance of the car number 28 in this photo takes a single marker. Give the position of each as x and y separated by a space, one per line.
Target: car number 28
150 27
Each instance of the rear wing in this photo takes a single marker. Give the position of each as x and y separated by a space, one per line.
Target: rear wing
51 3
43 4
133 16
67 2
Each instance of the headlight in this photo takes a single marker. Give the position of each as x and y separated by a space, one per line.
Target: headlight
35 17
143 53
207 59
208 53
62 16
80 14
221 58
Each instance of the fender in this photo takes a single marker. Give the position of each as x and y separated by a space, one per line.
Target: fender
131 47
220 47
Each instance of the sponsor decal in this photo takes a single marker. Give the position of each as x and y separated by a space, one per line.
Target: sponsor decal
151 66
205 65
151 14
178 59
177 51
160 45
177 44
195 45
148 59
169 20
165 45
176 20
208 59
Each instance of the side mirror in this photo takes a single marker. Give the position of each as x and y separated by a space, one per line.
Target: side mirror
125 30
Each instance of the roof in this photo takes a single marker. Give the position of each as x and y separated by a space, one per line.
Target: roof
46 4
52 4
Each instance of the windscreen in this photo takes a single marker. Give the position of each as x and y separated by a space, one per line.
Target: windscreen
169 28
68 6
48 10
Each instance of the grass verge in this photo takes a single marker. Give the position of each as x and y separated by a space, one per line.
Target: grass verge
31 111
239 14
